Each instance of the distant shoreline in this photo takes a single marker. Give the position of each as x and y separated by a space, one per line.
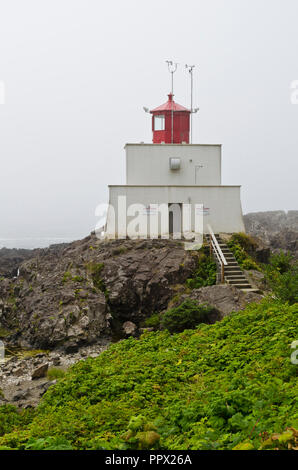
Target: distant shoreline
33 242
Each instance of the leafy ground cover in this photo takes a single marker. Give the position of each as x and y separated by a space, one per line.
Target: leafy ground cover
205 274
281 275
222 386
242 246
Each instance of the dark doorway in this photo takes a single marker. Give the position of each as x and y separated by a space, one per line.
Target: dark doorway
175 220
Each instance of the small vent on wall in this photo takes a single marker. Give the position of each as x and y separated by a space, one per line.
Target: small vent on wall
175 164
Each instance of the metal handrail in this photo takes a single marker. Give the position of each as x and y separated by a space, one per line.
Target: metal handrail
218 252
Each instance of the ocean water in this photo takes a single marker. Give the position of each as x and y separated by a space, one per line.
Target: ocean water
31 243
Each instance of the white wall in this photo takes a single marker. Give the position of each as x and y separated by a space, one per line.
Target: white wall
221 203
149 164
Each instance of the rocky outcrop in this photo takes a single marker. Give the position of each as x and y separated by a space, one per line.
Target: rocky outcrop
23 378
278 229
223 297
271 221
10 260
40 372
88 289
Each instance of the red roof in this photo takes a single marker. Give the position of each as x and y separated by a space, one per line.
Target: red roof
169 105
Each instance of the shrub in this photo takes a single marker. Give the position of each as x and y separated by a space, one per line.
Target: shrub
187 315
247 242
205 274
243 259
282 277
153 321
281 262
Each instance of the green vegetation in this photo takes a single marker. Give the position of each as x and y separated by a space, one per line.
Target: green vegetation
50 443
10 417
4 333
222 386
241 246
281 262
153 321
281 276
67 276
205 274
141 434
95 270
247 242
119 251
55 374
78 279
187 315
24 353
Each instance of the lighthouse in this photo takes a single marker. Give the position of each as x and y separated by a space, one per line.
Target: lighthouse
170 183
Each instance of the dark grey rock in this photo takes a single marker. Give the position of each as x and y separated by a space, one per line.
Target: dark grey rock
129 328
61 302
277 229
41 371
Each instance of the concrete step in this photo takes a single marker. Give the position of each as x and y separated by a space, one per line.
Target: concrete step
252 289
236 277
242 286
238 281
233 272
231 275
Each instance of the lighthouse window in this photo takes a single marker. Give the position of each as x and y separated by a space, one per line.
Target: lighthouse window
159 123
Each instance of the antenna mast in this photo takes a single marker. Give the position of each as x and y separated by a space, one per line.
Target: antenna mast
172 67
190 69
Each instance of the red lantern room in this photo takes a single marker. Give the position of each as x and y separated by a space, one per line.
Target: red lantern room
170 123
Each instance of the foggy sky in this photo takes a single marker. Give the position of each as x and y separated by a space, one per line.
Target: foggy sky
78 72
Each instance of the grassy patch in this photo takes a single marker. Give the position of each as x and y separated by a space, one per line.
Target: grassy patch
55 374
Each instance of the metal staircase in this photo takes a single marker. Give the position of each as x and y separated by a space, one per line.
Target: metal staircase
229 271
